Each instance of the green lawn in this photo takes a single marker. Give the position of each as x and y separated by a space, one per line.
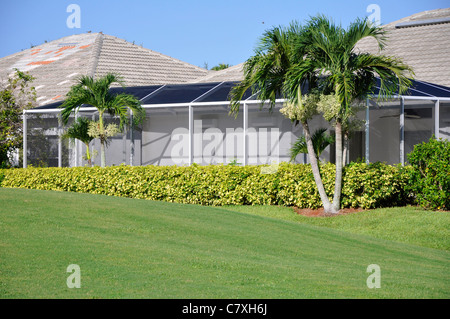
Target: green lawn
403 224
129 248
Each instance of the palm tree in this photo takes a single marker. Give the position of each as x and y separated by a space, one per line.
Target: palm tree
79 130
351 75
95 92
320 57
320 141
279 69
220 66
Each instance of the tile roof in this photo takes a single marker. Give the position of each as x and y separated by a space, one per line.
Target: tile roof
233 73
57 64
421 41
425 47
140 66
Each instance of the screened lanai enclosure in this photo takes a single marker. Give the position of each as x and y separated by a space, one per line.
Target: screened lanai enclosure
190 123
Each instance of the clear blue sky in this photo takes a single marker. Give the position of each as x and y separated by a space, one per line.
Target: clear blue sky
195 31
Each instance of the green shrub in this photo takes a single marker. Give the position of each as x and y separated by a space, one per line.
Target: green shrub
2 177
366 186
430 176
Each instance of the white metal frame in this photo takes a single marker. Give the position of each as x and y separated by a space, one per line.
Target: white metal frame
249 101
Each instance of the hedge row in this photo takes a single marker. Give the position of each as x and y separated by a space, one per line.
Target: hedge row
365 186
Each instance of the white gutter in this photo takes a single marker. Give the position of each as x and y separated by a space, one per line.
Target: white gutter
150 106
221 103
412 97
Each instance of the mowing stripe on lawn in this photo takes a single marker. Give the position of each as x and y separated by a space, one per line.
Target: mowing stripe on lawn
129 248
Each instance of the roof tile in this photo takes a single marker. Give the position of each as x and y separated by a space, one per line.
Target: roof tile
55 64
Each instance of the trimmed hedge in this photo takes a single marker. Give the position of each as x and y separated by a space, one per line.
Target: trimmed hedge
365 186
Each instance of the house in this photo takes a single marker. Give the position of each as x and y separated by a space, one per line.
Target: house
187 107
422 41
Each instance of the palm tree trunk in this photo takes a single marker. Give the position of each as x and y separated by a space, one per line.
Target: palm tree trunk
102 140
345 150
88 155
102 154
338 180
315 169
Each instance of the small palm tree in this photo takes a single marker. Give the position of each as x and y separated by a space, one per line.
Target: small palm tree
95 92
79 130
350 74
320 141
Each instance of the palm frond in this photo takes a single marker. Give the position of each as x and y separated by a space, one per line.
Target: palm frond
96 93
349 74
395 76
265 71
320 142
79 130
363 28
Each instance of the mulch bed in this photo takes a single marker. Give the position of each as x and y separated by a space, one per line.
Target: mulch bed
320 212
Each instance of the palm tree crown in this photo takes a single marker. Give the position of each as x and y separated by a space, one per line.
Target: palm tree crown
80 130
96 92
349 73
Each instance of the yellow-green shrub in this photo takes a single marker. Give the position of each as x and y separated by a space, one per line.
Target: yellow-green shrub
366 186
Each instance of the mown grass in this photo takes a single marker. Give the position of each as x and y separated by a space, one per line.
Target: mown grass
129 248
410 225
